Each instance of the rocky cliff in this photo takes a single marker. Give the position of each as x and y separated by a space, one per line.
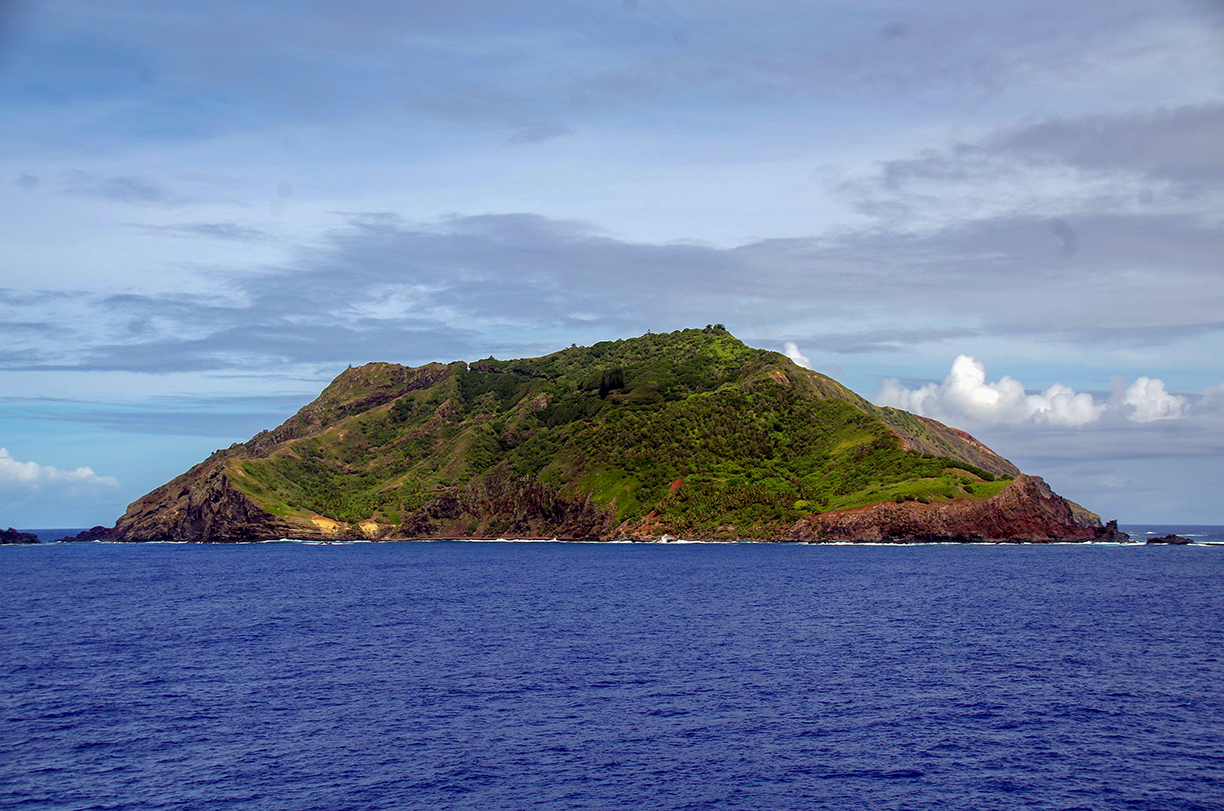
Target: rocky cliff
1026 511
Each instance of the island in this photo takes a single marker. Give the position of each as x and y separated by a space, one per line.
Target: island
689 434
13 536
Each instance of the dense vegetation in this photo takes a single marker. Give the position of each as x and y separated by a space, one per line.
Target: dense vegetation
692 431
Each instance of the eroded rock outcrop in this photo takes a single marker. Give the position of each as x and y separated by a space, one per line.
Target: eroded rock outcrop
98 533
201 506
1173 540
212 510
12 536
1026 511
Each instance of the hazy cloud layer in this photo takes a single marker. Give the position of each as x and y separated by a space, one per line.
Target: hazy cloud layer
386 288
1178 146
138 71
1160 169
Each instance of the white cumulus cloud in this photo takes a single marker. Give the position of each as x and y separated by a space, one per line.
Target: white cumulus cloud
1149 401
966 395
792 352
31 477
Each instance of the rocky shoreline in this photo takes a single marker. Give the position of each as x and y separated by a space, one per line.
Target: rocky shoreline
1026 511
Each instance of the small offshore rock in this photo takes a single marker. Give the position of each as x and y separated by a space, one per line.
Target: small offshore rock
98 533
1170 539
1111 534
11 535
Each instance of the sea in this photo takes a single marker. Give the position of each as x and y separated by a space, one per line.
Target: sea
518 675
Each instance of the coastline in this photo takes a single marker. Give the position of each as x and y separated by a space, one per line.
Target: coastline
1199 534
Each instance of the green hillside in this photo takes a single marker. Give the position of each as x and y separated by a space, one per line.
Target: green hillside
690 433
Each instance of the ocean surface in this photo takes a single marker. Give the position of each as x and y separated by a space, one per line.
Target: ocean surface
611 676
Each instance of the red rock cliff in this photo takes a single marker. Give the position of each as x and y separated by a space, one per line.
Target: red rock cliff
1025 511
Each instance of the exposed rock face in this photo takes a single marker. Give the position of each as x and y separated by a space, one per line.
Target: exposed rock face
212 510
11 535
205 507
98 533
1176 540
202 506
504 505
1025 511
926 435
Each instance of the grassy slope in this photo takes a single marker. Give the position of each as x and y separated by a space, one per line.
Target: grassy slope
691 431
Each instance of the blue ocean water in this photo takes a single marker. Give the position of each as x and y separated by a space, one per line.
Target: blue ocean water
583 676
1198 533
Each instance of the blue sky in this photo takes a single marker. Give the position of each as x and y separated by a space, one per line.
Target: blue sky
1006 216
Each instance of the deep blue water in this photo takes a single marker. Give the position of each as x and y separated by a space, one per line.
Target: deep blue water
577 676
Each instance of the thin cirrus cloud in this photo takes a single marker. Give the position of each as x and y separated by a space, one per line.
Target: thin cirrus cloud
117 188
1179 144
537 69
207 230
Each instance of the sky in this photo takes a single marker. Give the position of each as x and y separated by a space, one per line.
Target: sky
1006 216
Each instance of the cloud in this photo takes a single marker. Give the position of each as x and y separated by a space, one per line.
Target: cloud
210 230
965 397
792 352
35 495
198 415
1181 144
119 188
1149 162
384 287
516 65
965 394
1213 398
20 480
1148 401
1070 239
858 342
533 135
